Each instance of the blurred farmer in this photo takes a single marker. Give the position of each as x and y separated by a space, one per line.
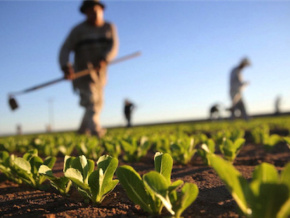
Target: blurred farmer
94 43
277 105
128 108
214 112
236 86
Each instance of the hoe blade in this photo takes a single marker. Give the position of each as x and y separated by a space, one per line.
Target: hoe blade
13 104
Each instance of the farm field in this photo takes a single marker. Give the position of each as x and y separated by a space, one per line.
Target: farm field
213 199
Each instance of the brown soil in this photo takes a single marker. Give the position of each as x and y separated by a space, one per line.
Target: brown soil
213 199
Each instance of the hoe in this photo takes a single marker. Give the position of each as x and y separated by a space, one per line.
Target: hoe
13 103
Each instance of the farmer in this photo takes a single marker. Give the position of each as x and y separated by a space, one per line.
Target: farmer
236 87
128 108
277 105
94 43
214 112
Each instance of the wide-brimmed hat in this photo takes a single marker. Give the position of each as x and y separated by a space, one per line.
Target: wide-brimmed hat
90 3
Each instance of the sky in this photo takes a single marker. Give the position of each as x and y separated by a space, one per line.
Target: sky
188 50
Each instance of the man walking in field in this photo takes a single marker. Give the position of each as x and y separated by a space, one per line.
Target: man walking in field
128 109
236 87
94 43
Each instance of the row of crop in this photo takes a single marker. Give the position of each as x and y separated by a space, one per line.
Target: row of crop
267 195
131 148
152 192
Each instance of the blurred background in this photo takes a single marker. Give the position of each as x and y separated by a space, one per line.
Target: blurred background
188 50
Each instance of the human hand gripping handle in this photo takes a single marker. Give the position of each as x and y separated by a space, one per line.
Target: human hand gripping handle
68 72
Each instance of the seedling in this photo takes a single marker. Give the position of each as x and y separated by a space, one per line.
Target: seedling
62 184
94 185
267 195
155 190
26 167
230 149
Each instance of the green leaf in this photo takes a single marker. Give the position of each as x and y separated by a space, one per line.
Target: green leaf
109 165
35 163
163 164
134 187
49 161
100 181
284 212
267 199
233 180
23 164
265 173
185 198
4 156
31 153
231 149
45 170
76 176
175 185
157 185
285 175
274 139
67 162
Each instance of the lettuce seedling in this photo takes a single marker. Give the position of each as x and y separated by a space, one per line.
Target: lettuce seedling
269 141
183 150
62 184
94 185
230 149
5 167
112 148
90 147
26 167
211 146
262 136
267 195
156 190
133 149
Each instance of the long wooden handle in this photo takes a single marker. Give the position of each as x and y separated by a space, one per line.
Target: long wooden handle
77 75
118 60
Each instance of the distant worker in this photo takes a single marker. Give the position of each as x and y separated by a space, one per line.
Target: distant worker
128 109
277 105
236 87
19 129
214 112
94 43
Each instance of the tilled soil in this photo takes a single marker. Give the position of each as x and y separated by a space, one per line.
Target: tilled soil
213 199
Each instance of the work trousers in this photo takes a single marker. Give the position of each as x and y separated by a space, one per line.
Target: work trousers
91 98
240 106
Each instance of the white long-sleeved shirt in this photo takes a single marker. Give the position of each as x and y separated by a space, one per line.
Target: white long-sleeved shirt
236 84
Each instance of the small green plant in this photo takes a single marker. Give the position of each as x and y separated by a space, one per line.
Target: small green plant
183 150
211 146
134 149
26 167
230 149
62 184
269 141
90 147
233 135
112 148
94 185
262 136
156 190
267 195
5 167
